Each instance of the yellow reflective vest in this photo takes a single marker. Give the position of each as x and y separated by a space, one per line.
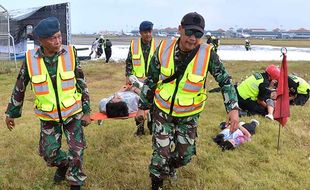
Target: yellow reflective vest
47 99
138 59
303 86
249 88
188 96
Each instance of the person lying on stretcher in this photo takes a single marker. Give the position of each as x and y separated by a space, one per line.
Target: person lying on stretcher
121 103
124 102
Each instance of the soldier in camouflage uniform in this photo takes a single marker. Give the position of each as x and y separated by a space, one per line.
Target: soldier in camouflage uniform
247 45
176 86
57 79
213 40
139 56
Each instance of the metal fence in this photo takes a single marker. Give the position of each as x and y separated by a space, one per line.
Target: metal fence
7 46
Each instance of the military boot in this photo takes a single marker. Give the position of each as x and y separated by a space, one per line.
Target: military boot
140 126
149 122
149 126
140 131
173 174
60 174
75 187
157 184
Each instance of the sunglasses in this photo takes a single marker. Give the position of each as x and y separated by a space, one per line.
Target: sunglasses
190 32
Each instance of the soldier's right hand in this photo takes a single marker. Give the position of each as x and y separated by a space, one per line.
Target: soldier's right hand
9 123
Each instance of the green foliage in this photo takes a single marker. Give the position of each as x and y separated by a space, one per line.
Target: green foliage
115 159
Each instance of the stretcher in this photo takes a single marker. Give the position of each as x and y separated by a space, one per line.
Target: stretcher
100 117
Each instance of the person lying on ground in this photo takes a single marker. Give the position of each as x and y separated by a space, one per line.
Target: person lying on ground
228 141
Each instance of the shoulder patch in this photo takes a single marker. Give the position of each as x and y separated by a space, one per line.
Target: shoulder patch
257 75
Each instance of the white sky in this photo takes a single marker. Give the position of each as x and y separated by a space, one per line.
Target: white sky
88 16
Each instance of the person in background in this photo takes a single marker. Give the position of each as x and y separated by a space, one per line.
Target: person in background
208 36
213 40
176 87
247 45
299 90
229 141
99 47
107 44
61 101
255 95
141 51
94 47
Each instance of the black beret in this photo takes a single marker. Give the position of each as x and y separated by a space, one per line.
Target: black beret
47 27
146 26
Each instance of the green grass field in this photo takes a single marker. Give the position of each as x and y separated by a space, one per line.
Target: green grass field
115 159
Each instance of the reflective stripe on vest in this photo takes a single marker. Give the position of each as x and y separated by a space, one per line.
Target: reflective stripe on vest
138 61
249 88
191 93
166 57
303 86
69 100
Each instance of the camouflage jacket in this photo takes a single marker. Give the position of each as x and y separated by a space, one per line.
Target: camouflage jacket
14 109
145 50
215 67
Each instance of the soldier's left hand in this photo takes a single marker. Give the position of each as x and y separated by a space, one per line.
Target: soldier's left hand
233 119
9 123
85 120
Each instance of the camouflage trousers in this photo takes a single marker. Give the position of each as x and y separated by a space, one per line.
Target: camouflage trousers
173 142
50 148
